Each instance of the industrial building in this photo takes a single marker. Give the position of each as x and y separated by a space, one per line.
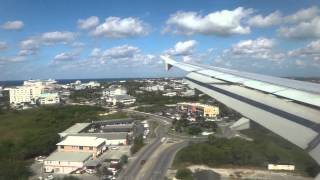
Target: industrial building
198 109
66 162
88 144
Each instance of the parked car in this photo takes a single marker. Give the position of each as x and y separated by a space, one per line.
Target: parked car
40 158
142 162
114 148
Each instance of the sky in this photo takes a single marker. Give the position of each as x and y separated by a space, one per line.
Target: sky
78 39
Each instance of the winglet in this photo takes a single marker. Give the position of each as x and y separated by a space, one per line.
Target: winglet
167 62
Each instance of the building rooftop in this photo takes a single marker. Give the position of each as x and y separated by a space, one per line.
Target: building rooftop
82 141
76 128
123 97
69 156
115 121
108 136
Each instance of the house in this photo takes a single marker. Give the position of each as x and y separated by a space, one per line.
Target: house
66 162
88 144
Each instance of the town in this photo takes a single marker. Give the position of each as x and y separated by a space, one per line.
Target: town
131 113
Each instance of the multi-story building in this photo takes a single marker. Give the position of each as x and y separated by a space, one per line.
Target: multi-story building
49 98
88 144
25 94
114 91
199 109
32 90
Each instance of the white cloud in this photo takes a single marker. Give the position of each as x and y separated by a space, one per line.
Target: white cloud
115 27
303 30
66 56
58 37
302 15
183 48
3 45
29 44
260 48
26 52
124 51
311 51
88 23
274 18
13 25
219 23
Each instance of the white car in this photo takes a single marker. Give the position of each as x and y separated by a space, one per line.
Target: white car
114 148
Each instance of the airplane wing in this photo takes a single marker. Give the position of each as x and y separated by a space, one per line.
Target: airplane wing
289 108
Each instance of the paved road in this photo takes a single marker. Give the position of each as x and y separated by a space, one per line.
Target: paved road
164 161
134 167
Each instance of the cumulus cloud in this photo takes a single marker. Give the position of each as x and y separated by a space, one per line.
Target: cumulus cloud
66 56
58 37
12 25
29 44
3 45
115 27
303 30
274 18
311 51
260 48
125 56
88 23
124 51
302 15
183 48
219 23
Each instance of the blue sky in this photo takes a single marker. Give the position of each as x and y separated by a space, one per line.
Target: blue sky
116 39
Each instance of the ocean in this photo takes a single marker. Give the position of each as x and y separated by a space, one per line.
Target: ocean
67 81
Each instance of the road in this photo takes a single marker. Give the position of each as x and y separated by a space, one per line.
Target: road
163 162
163 155
134 167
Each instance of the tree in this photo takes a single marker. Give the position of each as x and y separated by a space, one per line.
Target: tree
194 130
184 174
124 159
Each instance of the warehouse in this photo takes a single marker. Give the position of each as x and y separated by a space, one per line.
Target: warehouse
66 162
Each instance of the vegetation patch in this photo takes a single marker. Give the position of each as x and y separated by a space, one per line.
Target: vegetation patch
29 133
266 148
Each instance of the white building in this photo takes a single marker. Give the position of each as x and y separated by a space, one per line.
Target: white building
123 99
153 88
170 94
114 92
49 98
25 94
66 162
188 93
91 84
38 82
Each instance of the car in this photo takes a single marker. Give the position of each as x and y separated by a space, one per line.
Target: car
114 148
90 171
50 177
40 158
142 162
